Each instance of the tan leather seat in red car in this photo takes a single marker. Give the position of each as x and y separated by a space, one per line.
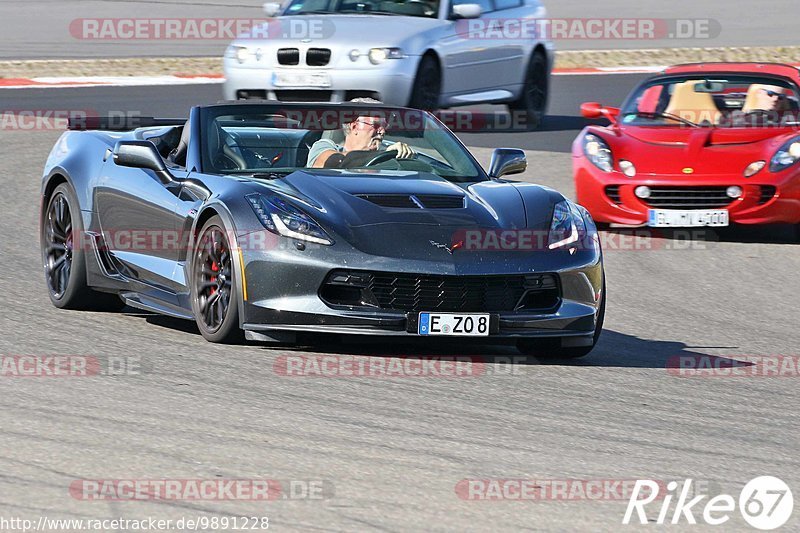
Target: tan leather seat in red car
697 107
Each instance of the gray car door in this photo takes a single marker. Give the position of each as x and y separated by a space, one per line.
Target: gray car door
137 214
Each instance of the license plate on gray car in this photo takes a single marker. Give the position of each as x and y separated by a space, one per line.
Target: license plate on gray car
454 324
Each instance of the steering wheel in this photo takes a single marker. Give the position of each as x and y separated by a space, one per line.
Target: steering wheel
381 157
762 112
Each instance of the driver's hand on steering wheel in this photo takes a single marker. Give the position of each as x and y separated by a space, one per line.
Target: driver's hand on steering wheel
404 151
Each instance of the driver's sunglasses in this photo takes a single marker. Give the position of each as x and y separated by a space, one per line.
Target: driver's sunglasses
379 124
773 94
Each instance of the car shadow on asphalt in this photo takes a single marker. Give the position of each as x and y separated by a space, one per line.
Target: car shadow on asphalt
569 123
770 234
163 321
613 350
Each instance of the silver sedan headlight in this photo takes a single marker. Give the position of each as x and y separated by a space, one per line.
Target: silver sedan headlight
379 55
239 53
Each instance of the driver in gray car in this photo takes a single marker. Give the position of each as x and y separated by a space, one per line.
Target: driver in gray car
365 133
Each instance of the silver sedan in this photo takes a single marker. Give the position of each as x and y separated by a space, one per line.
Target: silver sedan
423 54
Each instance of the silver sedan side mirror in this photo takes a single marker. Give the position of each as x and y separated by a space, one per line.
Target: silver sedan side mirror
466 11
271 9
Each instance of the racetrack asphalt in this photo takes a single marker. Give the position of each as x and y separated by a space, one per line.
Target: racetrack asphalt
390 452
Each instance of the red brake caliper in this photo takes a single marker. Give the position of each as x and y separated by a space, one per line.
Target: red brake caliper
214 268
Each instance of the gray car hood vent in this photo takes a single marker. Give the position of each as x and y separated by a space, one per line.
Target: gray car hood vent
416 201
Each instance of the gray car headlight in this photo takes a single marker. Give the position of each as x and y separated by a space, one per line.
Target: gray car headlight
567 226
786 156
598 152
282 218
379 55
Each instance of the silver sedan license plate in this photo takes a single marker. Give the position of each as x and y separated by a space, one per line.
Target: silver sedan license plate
301 79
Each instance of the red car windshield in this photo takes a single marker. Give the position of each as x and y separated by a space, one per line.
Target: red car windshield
715 101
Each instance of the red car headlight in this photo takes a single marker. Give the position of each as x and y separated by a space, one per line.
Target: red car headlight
786 156
597 151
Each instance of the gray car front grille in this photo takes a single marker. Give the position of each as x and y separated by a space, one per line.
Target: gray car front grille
538 293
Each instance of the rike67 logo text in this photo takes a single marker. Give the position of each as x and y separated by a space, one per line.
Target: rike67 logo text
765 503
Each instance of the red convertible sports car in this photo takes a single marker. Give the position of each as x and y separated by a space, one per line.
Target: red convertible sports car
698 145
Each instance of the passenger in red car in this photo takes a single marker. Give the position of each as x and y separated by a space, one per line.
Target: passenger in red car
765 98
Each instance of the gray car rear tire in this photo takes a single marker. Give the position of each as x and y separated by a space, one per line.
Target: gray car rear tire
64 252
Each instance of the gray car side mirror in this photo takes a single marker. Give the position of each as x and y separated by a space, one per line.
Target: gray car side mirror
507 161
141 154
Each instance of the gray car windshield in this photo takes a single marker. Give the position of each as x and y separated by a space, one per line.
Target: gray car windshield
251 139
412 8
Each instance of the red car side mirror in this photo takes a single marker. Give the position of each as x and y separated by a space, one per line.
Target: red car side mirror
591 109
597 110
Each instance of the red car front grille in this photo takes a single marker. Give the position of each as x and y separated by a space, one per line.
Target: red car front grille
688 197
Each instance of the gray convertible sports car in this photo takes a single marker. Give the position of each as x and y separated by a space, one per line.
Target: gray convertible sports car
260 221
